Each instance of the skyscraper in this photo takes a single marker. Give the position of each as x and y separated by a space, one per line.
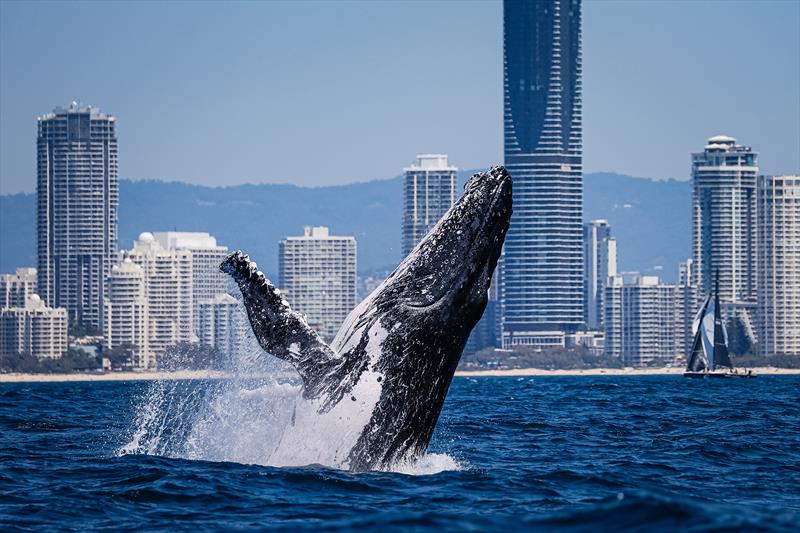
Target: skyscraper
600 262
317 273
778 265
724 217
429 190
543 262
77 197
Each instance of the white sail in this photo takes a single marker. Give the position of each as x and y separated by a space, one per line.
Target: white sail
699 316
707 332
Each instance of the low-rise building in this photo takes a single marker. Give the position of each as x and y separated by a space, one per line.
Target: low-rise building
16 288
33 329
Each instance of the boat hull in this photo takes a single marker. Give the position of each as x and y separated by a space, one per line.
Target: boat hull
722 375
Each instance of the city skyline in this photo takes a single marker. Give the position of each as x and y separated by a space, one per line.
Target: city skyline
544 291
662 80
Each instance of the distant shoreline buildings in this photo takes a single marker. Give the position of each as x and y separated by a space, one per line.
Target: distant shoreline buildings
558 283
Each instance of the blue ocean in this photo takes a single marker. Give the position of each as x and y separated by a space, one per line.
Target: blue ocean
569 453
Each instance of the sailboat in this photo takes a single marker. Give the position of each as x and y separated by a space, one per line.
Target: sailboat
710 347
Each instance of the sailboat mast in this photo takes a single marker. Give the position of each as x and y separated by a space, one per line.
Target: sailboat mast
717 318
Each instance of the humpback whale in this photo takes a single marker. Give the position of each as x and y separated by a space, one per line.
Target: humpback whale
385 375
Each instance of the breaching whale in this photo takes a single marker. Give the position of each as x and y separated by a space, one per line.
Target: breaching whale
397 351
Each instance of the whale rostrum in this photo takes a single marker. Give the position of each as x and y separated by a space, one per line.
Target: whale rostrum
397 351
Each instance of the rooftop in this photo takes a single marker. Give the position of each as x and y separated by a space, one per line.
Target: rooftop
76 108
186 239
431 162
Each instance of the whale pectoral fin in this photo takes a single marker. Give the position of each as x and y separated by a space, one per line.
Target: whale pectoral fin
280 331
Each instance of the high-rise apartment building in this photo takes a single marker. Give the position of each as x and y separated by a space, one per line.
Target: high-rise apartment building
600 262
16 288
77 197
168 289
222 324
208 280
126 313
724 219
33 329
645 320
778 265
317 272
543 261
429 190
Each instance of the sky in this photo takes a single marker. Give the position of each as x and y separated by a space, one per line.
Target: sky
321 93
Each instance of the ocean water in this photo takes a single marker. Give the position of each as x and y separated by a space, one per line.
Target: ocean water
576 453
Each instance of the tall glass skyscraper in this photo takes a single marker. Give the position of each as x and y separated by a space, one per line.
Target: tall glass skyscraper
77 198
543 263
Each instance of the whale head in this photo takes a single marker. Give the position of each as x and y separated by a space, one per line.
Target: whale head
452 266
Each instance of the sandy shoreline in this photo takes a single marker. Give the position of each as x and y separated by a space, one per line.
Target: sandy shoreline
211 374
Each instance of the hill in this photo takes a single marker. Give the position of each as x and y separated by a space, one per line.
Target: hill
651 219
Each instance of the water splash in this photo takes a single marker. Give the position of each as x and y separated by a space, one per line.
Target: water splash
429 464
256 415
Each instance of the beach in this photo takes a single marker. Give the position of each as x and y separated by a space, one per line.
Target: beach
215 374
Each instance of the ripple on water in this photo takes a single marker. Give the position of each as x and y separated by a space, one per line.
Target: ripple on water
580 453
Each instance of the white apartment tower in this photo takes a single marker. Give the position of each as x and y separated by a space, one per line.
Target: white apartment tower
222 324
168 285
429 190
126 313
778 265
33 328
317 272
208 280
600 263
77 198
645 320
724 217
16 288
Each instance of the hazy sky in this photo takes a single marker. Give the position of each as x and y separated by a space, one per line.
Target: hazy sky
328 92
